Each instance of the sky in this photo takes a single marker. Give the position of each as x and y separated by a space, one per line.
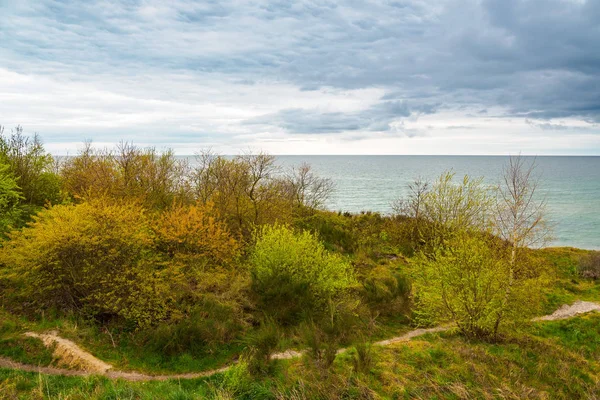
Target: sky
304 76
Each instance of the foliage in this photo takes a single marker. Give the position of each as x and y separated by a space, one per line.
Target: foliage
31 166
363 357
130 173
260 345
520 214
10 195
199 246
245 189
467 281
443 207
195 234
207 325
386 291
589 266
326 334
333 229
94 258
307 189
292 273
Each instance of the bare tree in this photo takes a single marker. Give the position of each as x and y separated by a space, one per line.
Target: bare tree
307 188
520 219
520 210
260 168
412 205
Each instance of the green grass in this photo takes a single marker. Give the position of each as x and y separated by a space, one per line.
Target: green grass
130 352
25 385
567 286
546 360
556 359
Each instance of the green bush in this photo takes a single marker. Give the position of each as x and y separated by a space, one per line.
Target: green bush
470 281
386 291
292 273
335 230
95 259
10 196
207 325
363 359
31 166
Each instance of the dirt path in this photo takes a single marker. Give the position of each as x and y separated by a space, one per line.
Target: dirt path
72 355
566 311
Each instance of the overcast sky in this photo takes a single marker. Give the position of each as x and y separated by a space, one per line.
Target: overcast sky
305 77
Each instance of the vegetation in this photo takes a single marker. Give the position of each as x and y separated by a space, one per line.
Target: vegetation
590 265
158 265
293 274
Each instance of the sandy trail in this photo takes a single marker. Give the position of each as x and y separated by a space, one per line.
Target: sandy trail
566 311
69 354
72 355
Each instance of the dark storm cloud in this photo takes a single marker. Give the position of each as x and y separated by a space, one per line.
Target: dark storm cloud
376 118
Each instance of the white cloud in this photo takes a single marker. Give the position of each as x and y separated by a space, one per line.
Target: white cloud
307 76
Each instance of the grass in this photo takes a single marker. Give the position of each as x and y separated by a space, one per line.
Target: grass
546 360
15 346
25 385
554 359
127 351
567 285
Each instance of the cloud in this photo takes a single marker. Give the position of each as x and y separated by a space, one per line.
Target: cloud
379 117
221 72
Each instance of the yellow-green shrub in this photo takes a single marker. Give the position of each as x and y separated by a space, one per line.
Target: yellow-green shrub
94 258
386 291
470 281
196 234
211 288
293 273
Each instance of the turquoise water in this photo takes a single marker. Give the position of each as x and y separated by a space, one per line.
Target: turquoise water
571 185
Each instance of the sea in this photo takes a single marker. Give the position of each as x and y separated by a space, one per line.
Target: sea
569 185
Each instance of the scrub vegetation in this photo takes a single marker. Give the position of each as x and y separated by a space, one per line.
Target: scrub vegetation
158 265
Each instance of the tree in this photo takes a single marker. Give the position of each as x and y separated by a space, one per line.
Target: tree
200 248
467 280
31 166
154 179
520 217
91 173
520 212
308 189
439 209
412 207
476 270
10 196
244 189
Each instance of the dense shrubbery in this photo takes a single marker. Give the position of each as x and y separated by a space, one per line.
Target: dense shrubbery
24 162
139 239
95 258
190 256
293 274
10 196
473 266
469 281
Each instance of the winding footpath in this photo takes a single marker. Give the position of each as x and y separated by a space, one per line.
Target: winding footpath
89 365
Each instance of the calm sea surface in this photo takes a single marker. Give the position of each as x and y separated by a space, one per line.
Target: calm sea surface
571 185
